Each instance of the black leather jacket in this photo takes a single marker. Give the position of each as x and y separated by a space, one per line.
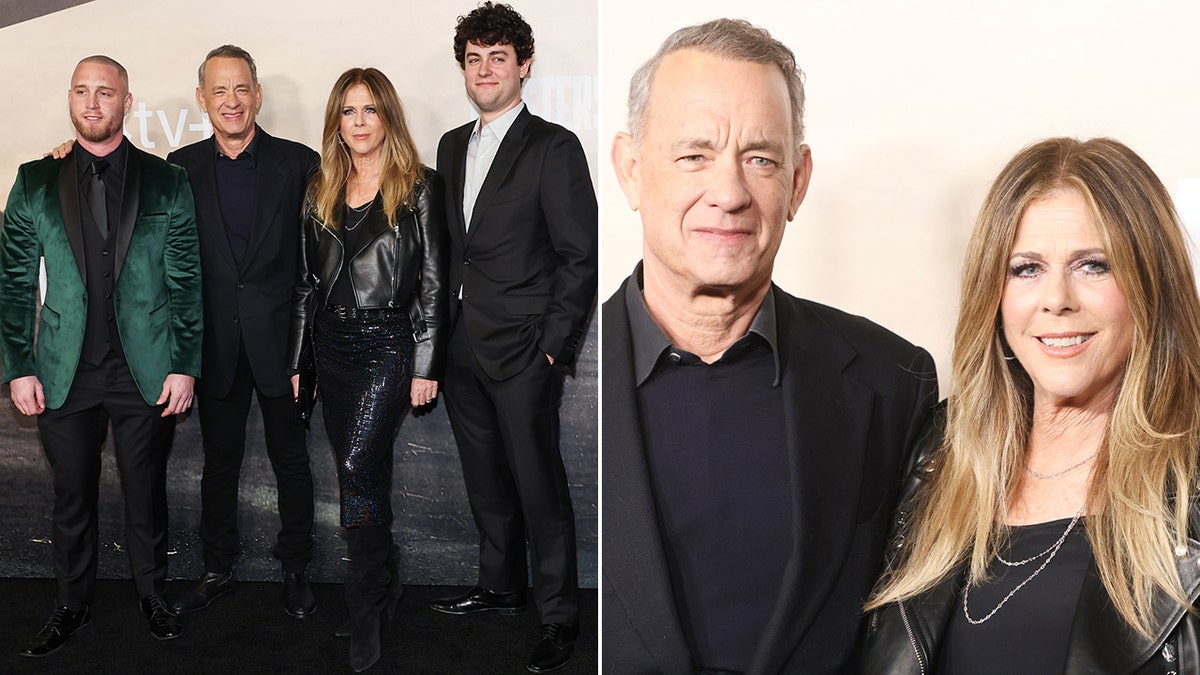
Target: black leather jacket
905 637
401 266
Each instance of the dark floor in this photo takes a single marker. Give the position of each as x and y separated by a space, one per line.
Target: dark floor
248 632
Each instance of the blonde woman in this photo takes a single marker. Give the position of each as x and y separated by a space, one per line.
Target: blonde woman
1047 525
372 292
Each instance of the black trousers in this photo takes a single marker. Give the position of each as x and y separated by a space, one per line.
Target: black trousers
72 436
223 428
507 434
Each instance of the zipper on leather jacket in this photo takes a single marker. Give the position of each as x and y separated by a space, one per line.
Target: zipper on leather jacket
912 638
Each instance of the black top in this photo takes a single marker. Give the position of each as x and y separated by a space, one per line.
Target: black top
1030 633
237 183
113 177
342 292
719 467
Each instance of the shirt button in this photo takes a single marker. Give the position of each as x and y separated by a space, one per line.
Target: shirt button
241 285
675 358
237 319
104 252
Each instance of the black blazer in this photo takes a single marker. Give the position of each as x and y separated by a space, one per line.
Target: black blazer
252 303
857 397
527 264
397 267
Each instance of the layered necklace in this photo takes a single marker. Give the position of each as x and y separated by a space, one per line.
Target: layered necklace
1056 474
1048 554
363 210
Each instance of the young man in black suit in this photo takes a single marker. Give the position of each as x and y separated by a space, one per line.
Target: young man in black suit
754 442
249 187
522 218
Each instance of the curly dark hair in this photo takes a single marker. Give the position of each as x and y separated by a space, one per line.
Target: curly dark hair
493 24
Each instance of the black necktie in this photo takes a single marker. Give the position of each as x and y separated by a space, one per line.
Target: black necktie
96 201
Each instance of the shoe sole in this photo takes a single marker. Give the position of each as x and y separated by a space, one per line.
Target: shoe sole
164 638
60 646
507 611
299 616
177 610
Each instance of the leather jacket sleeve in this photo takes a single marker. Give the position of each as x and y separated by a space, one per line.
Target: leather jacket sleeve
429 307
302 295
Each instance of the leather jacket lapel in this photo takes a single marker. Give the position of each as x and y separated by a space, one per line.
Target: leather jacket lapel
68 200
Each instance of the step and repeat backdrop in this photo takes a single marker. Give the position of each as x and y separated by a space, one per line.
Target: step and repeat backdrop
300 49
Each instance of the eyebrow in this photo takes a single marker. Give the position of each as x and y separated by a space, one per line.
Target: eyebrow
1078 253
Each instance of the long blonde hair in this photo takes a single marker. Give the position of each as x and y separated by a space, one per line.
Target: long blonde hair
1142 486
400 165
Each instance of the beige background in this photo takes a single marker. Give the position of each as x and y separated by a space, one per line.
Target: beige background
913 108
301 47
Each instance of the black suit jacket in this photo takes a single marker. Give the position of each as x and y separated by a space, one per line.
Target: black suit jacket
527 263
254 302
857 396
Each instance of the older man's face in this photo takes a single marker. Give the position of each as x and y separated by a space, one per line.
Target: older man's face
716 175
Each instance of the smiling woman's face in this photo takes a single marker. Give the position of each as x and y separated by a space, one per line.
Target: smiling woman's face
1064 316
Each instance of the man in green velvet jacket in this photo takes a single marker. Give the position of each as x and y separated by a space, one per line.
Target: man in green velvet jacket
118 339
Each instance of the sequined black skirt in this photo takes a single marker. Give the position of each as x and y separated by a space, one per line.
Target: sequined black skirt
364 367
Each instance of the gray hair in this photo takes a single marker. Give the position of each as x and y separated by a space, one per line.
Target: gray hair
735 39
232 52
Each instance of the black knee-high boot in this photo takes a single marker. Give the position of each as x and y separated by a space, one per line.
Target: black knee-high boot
367 579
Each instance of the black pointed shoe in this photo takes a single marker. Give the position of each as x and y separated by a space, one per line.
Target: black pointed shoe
62 623
298 599
208 588
481 600
164 623
553 649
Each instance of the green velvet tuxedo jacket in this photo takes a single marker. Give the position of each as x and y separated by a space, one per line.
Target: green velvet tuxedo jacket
156 293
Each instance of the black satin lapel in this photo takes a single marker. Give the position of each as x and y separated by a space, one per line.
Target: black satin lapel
506 157
68 201
130 200
635 562
271 179
828 416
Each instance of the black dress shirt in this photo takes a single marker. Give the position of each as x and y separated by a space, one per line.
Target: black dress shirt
113 177
237 183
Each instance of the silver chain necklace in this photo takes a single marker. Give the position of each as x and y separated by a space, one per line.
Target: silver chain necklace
361 209
1056 474
1048 553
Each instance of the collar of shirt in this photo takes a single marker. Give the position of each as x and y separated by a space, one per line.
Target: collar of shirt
498 127
116 160
650 343
247 153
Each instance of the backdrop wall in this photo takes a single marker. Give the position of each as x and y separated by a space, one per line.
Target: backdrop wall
913 108
300 48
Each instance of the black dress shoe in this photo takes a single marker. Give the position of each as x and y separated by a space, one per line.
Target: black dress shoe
62 623
210 586
164 624
553 649
298 599
481 600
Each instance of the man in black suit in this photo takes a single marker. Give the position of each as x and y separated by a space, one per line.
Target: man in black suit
118 337
522 218
249 188
753 442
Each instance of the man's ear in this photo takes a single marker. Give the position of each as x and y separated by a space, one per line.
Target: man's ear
627 165
801 175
